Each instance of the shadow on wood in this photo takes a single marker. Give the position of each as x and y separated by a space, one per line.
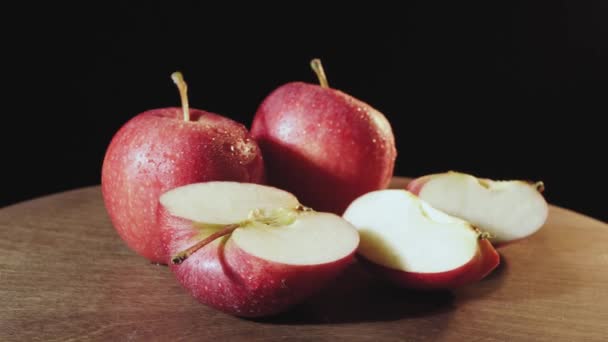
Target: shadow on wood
358 296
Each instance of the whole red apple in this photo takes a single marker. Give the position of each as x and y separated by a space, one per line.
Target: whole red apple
323 145
161 149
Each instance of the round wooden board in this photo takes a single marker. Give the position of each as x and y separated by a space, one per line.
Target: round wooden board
66 275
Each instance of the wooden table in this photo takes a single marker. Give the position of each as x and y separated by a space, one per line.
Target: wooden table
65 275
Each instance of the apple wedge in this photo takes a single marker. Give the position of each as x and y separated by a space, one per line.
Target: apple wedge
416 246
251 250
508 210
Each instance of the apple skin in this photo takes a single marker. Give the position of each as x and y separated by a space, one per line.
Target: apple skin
227 278
323 145
485 260
156 151
416 184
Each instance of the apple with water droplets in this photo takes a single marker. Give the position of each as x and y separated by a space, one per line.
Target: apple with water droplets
161 149
417 246
323 145
508 210
251 250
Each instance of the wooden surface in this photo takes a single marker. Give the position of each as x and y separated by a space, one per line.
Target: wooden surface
66 276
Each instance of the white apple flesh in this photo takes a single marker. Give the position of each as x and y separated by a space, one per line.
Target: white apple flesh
508 210
417 246
275 254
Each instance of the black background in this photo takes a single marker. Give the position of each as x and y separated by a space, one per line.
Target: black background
501 91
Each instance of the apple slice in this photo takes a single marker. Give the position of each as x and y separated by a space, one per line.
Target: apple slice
251 250
417 246
508 210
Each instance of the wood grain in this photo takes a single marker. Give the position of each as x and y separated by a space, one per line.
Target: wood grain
65 275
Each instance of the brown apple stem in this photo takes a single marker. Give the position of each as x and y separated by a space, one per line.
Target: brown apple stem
540 186
484 236
317 67
180 257
178 79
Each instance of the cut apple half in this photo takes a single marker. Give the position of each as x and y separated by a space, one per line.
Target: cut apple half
418 246
507 210
249 249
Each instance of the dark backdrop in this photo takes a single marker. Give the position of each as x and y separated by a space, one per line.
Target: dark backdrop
501 91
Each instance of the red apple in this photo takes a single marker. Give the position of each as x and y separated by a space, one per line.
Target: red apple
508 210
251 250
323 145
416 246
161 149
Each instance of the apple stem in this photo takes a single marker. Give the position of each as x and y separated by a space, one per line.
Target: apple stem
540 186
484 236
180 257
317 67
178 79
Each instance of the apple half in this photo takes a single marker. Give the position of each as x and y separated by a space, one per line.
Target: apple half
508 210
251 250
416 246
